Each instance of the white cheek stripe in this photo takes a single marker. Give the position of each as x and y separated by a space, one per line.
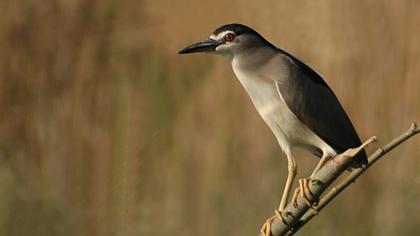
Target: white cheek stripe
220 35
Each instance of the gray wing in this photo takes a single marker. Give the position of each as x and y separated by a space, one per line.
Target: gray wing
314 103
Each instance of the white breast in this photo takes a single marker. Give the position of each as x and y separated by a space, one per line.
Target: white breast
287 128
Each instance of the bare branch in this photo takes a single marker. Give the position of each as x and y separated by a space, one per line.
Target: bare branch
296 217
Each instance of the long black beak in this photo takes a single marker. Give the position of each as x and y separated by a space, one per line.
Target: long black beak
208 45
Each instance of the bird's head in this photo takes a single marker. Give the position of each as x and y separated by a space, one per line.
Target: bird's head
228 40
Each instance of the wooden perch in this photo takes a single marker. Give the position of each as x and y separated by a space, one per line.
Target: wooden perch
297 216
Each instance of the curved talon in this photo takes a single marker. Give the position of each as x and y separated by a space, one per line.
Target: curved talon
303 184
266 228
280 216
306 182
306 186
295 197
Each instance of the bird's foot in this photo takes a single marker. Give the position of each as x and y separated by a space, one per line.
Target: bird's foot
305 193
266 228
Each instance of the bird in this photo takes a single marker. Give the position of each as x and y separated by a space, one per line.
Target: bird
294 101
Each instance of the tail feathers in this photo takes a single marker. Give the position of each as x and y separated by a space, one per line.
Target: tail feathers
360 160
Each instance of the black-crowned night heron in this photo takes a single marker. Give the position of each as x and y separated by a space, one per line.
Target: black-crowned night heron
295 102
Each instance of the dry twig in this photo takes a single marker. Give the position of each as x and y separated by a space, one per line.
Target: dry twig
298 216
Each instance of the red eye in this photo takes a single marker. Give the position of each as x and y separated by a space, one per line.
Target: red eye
229 37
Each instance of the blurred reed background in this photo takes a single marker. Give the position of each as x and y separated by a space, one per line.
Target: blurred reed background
105 130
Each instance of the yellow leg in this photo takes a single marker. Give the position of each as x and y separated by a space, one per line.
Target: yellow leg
325 157
266 228
295 196
302 190
292 169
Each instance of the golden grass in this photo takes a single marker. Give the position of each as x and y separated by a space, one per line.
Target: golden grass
105 130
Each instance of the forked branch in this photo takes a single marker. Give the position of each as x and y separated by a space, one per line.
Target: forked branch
299 215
